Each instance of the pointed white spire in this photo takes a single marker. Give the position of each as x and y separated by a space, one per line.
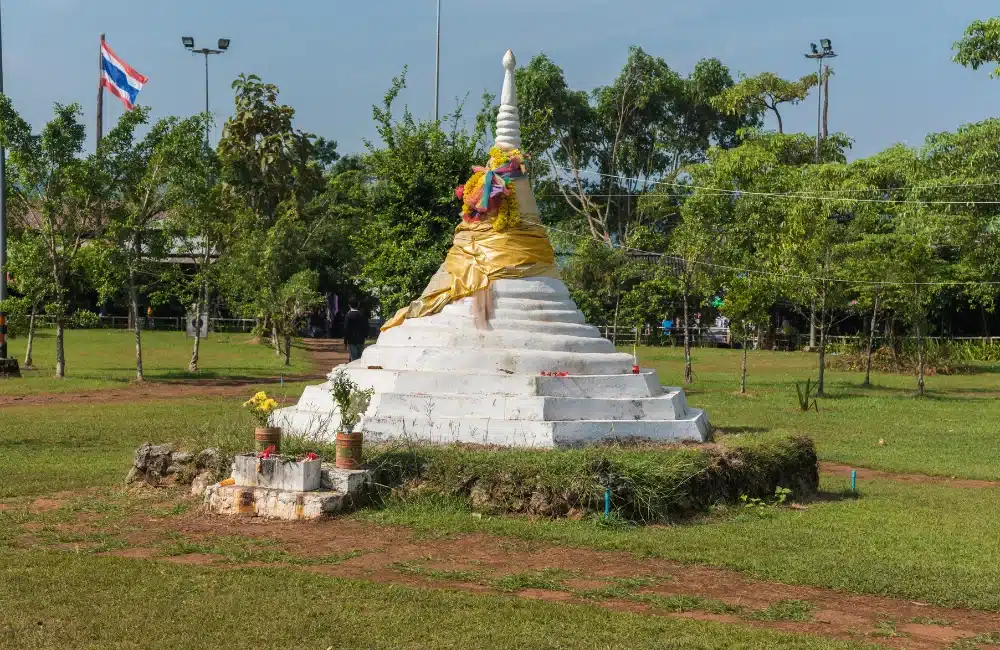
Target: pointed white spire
508 120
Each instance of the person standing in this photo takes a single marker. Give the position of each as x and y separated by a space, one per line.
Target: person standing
355 330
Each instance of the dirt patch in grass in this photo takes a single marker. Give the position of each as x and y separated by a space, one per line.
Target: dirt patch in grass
46 505
480 563
197 559
835 469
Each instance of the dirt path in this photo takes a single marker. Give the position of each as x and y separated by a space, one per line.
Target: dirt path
835 469
324 355
620 581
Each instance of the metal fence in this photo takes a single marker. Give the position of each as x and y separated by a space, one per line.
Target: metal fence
723 337
158 323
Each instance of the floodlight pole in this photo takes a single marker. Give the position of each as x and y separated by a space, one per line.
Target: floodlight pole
820 55
205 51
437 64
7 366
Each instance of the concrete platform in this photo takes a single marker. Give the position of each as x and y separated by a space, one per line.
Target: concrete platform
338 490
271 503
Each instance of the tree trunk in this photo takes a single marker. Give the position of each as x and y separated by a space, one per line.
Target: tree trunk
743 365
781 128
822 346
28 361
288 349
812 326
60 351
193 366
920 361
826 101
133 294
871 345
275 339
688 375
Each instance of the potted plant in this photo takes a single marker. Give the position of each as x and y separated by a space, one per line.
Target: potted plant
352 402
261 406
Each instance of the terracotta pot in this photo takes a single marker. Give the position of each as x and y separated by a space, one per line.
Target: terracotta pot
264 437
349 449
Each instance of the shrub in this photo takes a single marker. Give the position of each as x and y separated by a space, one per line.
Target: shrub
83 319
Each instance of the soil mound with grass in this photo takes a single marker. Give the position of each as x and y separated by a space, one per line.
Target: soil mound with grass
644 482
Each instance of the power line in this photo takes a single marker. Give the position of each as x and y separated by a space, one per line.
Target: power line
790 276
792 195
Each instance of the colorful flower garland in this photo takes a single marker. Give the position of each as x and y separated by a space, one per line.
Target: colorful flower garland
499 200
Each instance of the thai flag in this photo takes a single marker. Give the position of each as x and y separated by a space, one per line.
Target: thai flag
119 77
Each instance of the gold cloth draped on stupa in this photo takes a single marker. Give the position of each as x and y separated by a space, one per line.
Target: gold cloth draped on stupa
480 255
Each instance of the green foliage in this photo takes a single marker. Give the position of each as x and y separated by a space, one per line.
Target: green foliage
411 211
980 46
763 92
806 394
84 319
351 400
763 507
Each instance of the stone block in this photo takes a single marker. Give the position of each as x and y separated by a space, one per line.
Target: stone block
277 473
348 481
270 503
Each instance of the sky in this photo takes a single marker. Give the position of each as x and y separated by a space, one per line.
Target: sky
334 59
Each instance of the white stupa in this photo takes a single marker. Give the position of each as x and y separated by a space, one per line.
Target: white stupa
513 364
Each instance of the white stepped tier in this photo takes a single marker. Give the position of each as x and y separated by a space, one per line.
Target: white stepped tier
439 379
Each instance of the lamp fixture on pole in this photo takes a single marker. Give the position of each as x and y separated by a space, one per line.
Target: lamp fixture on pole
824 51
223 44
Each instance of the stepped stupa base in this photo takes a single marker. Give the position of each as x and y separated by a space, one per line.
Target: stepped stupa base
437 380
519 416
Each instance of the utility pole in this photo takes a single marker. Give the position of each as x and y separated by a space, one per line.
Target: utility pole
188 42
437 64
100 93
826 101
820 56
8 366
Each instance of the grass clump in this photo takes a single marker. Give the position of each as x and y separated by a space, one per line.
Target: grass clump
686 603
544 579
786 610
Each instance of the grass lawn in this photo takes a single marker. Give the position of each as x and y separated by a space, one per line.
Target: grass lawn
76 446
924 542
927 542
916 541
952 431
106 359
53 600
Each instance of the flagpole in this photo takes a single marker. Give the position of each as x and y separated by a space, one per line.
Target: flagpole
100 93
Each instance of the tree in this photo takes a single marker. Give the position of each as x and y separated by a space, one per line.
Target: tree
32 281
748 300
272 174
642 128
296 298
57 194
139 174
200 222
980 46
763 92
411 210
